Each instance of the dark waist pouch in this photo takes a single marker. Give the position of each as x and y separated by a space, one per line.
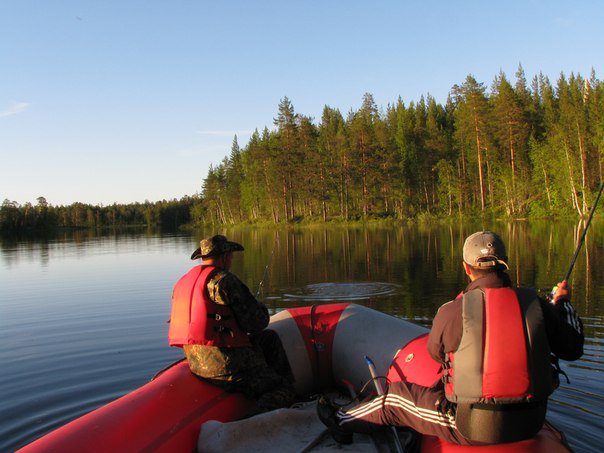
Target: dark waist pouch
501 423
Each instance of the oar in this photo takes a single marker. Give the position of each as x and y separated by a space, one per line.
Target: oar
380 391
582 239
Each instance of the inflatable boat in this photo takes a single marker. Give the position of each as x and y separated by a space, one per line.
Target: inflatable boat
326 345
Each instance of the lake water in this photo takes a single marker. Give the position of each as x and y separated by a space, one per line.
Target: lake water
83 317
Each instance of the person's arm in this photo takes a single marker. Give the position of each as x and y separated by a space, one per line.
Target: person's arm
562 324
225 288
445 334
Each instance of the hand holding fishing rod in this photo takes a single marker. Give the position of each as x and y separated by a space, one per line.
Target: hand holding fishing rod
560 292
561 289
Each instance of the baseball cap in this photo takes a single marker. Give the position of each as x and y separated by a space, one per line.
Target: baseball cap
484 250
215 245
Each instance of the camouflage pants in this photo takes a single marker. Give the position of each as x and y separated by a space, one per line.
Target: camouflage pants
261 372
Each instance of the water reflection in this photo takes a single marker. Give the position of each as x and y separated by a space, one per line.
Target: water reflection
329 292
424 260
84 315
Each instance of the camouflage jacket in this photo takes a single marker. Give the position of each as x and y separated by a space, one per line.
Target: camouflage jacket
228 364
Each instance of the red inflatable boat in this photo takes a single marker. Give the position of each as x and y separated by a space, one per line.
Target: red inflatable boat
326 346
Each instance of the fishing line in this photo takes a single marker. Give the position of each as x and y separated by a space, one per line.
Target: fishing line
268 265
591 214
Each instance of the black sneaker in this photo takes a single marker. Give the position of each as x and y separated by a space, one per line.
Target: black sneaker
327 414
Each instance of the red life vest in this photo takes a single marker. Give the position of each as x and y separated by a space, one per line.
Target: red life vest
196 319
503 356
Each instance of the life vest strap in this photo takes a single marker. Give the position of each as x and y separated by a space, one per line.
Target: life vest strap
507 407
223 329
218 317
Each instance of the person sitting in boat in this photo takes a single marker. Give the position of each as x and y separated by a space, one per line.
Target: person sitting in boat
495 344
221 327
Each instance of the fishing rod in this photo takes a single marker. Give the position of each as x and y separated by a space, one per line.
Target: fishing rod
582 239
591 214
268 265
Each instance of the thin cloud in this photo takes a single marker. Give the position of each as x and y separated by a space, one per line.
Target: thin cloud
224 133
566 22
14 108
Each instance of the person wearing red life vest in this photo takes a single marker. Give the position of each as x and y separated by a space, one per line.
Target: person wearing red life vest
495 343
222 329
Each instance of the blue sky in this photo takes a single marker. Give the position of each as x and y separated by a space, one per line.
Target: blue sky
121 101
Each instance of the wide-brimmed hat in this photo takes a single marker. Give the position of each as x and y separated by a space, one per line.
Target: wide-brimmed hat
216 245
484 250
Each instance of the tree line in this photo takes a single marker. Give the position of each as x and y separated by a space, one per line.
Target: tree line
513 150
44 217
516 149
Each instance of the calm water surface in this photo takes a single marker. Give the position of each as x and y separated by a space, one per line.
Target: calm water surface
83 317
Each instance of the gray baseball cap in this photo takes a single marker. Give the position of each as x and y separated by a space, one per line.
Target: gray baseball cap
485 250
215 245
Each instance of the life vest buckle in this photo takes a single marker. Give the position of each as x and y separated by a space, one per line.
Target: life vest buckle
557 370
223 329
320 347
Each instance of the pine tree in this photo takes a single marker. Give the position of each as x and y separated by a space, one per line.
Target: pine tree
334 173
234 178
362 145
472 118
572 131
254 193
403 128
511 128
438 145
288 156
477 148
595 105
311 172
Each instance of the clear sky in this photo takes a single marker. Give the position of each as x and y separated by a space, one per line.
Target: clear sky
127 100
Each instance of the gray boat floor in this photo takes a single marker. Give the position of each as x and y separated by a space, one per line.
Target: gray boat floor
293 430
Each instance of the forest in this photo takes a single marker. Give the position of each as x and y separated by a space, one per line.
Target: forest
42 218
513 150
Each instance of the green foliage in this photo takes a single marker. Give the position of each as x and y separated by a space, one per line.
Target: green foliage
513 152
43 218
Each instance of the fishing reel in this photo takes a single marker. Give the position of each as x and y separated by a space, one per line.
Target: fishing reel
547 294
